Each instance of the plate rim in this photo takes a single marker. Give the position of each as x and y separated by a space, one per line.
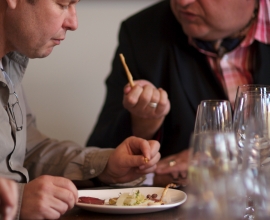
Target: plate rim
132 209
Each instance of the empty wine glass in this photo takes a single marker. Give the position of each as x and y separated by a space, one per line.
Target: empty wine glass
213 115
239 106
251 126
252 106
257 88
212 166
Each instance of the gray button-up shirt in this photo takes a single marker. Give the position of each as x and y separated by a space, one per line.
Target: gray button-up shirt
27 154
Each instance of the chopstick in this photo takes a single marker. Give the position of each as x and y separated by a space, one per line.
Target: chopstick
129 76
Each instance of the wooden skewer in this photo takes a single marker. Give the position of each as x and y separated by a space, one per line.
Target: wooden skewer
129 76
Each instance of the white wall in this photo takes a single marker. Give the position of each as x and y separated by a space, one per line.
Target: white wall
66 90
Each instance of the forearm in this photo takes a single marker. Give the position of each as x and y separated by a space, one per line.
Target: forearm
146 128
66 159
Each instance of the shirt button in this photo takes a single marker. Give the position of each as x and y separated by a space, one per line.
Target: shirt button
92 171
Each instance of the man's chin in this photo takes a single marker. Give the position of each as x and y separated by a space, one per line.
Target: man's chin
41 54
196 31
203 34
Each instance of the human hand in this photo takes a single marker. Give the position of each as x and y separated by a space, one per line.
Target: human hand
146 120
128 162
176 165
137 100
48 197
8 198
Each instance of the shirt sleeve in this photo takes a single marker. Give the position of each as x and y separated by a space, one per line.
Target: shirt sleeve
45 156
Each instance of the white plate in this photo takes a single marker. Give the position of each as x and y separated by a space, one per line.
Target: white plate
177 198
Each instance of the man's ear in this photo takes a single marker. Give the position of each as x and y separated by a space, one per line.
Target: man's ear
12 3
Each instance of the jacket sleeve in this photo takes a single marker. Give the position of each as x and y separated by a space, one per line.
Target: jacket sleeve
65 158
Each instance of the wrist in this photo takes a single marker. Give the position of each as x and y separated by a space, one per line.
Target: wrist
146 128
105 178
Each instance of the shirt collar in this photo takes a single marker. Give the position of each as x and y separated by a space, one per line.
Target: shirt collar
262 32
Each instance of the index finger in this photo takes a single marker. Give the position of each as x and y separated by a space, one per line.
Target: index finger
148 149
155 146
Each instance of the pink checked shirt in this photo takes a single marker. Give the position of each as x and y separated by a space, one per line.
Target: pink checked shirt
233 68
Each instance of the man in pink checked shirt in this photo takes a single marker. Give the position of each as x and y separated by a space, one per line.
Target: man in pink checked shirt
194 50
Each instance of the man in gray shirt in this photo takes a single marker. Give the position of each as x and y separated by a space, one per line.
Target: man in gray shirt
31 29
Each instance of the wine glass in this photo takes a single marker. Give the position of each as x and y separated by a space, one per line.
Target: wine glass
251 126
242 90
212 171
257 88
253 120
239 106
213 115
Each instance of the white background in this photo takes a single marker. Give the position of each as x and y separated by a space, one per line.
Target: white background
66 90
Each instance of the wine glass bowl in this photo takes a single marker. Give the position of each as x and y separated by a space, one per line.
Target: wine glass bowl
213 115
251 126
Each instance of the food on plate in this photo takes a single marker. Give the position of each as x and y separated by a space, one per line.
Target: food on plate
112 201
91 200
135 198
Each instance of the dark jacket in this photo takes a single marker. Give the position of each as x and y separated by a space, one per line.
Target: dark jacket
156 49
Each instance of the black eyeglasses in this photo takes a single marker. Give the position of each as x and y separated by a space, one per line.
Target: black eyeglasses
13 103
